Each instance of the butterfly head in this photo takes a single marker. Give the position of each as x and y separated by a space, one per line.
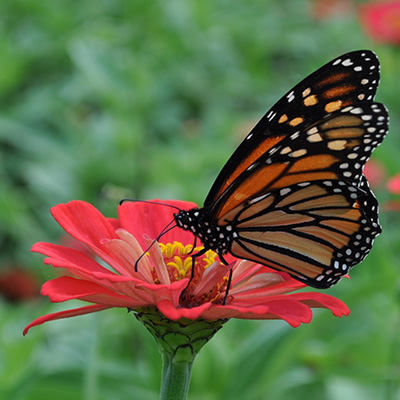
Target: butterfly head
214 237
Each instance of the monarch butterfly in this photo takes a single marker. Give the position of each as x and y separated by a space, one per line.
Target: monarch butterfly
293 196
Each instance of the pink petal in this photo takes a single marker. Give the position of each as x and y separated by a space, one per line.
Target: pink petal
211 276
156 293
68 288
125 256
260 290
173 313
257 284
141 217
322 300
243 270
64 314
234 311
72 260
158 260
84 222
293 312
145 265
82 266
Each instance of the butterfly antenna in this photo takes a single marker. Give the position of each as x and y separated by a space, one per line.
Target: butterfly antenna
148 202
163 232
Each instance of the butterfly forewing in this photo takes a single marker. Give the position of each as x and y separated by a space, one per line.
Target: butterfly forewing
349 79
336 147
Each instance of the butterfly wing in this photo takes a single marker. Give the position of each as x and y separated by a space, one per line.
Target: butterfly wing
315 231
293 194
347 80
336 147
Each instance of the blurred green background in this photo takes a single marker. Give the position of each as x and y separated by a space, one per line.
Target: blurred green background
101 100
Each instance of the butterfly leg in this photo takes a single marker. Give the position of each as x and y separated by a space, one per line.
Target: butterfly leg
229 278
228 286
194 256
194 245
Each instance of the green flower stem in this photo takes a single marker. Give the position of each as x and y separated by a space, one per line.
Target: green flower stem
179 342
175 378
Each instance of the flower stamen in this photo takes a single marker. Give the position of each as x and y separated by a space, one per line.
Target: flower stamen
181 264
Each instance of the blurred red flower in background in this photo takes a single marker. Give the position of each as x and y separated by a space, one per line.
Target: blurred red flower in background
381 20
393 184
376 174
324 9
17 284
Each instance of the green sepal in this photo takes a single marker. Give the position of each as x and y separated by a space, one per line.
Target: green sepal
182 339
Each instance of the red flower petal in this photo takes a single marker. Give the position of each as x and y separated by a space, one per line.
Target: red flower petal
235 311
82 266
73 260
294 308
156 293
173 313
322 300
292 312
84 222
145 218
68 288
64 314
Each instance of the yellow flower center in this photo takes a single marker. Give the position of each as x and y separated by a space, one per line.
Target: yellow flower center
179 261
180 264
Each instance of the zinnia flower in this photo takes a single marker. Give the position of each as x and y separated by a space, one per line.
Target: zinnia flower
161 280
381 20
182 306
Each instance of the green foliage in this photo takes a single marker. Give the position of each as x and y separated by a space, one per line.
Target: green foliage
101 100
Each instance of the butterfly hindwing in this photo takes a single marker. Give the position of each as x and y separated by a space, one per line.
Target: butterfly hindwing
316 231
